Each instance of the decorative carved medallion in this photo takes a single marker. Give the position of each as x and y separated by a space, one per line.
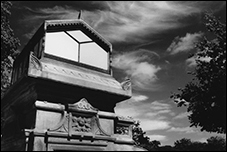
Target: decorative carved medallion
81 124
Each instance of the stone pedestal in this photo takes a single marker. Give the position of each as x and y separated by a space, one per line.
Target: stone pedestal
34 125
60 102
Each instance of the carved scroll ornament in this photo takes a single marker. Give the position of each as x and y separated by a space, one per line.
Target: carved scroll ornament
34 62
126 85
83 105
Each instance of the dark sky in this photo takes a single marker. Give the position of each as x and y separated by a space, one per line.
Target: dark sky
151 44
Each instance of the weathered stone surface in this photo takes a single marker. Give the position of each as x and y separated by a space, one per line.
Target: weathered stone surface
58 104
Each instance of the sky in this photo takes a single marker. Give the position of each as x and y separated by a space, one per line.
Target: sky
151 43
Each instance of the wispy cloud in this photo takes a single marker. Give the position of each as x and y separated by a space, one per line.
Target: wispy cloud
184 44
157 137
138 98
127 21
130 21
191 62
127 111
158 105
152 110
152 116
158 109
133 21
149 125
56 12
138 66
182 129
181 115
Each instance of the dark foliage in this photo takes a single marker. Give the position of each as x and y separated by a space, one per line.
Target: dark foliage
213 144
205 95
216 143
9 45
142 140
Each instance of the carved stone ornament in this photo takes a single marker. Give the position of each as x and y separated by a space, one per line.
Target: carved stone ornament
83 105
81 124
73 124
126 85
34 62
98 129
123 125
62 125
122 130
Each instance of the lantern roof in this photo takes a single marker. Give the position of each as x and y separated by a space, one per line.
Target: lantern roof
77 24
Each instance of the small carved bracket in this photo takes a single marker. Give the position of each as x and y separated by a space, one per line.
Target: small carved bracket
34 62
126 85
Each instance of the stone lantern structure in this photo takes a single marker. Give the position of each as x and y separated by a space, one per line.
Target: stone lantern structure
63 93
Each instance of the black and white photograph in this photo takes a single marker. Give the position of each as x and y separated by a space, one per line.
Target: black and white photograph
113 75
